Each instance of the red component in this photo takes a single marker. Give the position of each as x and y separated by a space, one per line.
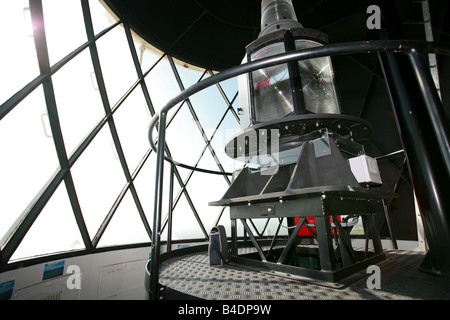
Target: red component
304 230
263 83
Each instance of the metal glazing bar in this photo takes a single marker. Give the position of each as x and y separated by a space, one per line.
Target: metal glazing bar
198 160
219 216
229 104
196 120
183 185
14 100
111 124
109 215
138 68
15 235
9 104
44 66
188 197
194 168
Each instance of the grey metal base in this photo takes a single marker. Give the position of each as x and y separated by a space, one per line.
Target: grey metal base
190 276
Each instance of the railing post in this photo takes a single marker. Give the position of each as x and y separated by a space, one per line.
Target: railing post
156 239
169 223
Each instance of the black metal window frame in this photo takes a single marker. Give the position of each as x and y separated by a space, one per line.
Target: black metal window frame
63 174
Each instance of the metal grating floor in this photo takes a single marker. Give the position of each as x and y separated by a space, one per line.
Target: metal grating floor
400 280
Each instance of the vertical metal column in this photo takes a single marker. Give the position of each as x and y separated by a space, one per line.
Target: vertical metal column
156 240
424 158
324 237
169 224
435 203
432 102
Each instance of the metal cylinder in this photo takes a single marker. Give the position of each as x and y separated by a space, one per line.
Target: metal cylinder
277 15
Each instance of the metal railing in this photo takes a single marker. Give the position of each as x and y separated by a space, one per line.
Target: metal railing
416 52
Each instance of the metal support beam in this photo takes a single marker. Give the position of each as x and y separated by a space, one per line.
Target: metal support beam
252 238
156 241
419 127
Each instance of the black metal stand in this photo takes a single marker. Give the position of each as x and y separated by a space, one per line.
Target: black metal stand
332 262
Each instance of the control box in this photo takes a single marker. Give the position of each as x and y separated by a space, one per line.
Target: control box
365 169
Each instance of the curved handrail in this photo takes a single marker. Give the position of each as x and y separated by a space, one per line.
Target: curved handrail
405 46
411 48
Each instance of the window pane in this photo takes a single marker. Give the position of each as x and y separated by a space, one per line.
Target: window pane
189 75
209 107
79 105
126 226
98 179
54 230
185 225
184 139
201 194
228 128
116 62
28 158
101 17
132 120
162 84
18 61
147 55
64 32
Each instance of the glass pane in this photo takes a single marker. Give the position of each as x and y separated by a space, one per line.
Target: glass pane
64 27
185 225
18 61
318 81
54 230
126 226
132 120
101 17
189 75
230 87
98 179
228 128
117 64
209 107
184 139
204 188
271 86
147 55
145 188
79 105
161 84
28 157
